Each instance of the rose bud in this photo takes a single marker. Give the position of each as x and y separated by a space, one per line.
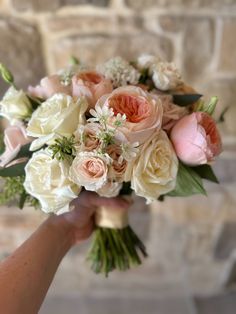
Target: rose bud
196 139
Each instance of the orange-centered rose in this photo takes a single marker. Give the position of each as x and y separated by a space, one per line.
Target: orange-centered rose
91 85
143 112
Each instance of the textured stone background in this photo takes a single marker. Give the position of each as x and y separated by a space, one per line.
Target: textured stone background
192 242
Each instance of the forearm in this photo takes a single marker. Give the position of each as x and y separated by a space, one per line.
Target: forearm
26 275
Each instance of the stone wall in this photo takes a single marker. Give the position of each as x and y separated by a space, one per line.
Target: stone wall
192 242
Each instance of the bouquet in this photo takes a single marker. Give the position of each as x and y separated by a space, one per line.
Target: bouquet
120 128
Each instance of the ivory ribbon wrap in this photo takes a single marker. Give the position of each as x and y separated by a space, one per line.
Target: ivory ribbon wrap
106 217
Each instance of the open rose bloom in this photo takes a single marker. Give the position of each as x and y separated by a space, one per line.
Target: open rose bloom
116 129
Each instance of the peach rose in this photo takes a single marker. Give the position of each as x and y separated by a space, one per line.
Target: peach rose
92 85
196 139
143 112
87 136
171 112
49 86
117 168
14 137
89 170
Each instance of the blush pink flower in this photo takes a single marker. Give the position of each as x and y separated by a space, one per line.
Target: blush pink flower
49 86
14 137
118 168
196 139
91 85
171 112
143 112
87 135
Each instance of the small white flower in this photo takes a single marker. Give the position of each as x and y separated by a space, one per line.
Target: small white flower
101 114
165 76
120 120
120 72
146 61
129 151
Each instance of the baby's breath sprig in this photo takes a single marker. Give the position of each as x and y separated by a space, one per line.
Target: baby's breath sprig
63 148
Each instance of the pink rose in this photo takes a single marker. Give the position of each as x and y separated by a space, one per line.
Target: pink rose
87 135
49 86
143 112
118 168
92 85
14 137
171 112
89 170
196 139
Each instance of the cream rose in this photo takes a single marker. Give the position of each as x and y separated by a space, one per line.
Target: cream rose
110 189
15 105
47 180
90 170
143 112
165 76
59 115
154 172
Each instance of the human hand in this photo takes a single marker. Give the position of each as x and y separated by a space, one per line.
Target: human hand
80 218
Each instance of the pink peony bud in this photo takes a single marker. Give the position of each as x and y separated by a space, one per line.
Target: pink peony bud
196 139
14 137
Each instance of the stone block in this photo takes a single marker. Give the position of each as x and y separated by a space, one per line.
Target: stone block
226 243
227 61
94 49
217 304
150 4
21 51
84 24
45 5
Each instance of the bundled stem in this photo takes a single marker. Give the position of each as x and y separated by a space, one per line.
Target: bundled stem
115 249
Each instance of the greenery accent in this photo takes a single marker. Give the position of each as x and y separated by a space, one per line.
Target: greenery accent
185 99
6 75
206 172
63 148
188 182
13 171
207 107
74 61
222 115
2 144
14 191
115 249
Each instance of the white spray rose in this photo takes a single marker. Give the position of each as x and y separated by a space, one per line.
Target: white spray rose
146 61
154 172
15 105
47 180
59 115
165 76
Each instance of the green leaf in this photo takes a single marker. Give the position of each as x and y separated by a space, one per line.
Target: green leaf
206 172
126 189
22 201
188 182
185 99
74 60
24 152
13 171
6 74
222 115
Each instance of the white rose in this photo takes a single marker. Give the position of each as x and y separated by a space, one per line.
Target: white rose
146 61
154 172
59 115
165 76
90 170
15 105
110 189
47 180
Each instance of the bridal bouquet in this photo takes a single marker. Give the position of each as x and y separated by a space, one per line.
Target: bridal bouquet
119 128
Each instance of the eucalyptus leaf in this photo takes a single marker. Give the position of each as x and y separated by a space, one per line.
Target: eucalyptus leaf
184 100
206 172
188 182
13 171
23 198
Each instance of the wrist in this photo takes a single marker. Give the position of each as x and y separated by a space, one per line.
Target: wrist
61 229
